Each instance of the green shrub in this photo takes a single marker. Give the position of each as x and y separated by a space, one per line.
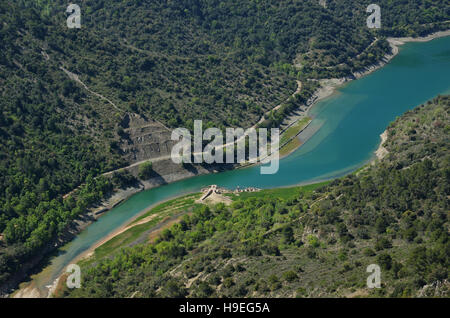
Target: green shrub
145 170
368 252
228 282
289 276
382 244
385 261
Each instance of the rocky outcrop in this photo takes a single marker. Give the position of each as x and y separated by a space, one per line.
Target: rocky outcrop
144 139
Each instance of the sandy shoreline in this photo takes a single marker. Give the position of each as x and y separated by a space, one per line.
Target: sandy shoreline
427 38
89 252
381 152
328 87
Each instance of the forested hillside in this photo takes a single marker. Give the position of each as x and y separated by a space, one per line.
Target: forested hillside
64 93
297 243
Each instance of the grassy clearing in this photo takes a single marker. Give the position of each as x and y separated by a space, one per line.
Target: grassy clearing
175 204
290 133
169 209
123 239
162 212
290 147
294 129
282 193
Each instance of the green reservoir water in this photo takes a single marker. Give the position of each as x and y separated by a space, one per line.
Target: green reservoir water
350 121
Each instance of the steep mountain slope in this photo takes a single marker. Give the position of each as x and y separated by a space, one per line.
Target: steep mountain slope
66 94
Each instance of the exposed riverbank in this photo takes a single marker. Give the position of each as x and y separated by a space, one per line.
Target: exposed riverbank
381 152
329 86
395 43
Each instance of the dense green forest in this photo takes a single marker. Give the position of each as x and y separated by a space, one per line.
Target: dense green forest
297 243
225 62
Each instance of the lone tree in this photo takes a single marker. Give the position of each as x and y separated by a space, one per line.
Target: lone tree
145 170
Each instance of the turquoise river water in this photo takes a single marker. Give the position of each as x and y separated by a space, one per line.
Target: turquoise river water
350 121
